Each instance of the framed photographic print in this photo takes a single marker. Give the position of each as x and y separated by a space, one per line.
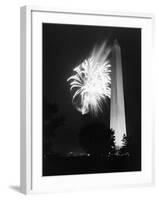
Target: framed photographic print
86 99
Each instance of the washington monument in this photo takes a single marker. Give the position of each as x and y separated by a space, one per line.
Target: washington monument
117 106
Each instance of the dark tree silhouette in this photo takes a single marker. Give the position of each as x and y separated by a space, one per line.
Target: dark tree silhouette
51 121
96 139
124 148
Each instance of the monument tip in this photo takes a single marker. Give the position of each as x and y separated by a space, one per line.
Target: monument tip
116 42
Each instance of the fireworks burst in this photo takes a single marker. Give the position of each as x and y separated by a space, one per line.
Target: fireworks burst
91 81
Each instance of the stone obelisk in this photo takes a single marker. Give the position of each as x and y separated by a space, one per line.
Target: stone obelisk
117 109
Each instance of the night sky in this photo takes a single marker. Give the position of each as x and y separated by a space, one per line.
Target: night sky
66 46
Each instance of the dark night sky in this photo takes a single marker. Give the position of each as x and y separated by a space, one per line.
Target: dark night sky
66 46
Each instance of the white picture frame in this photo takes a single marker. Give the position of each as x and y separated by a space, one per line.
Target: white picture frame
31 108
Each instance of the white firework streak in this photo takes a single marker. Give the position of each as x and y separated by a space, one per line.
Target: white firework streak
91 81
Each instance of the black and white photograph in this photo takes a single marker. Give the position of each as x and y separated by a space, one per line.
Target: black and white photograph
91 87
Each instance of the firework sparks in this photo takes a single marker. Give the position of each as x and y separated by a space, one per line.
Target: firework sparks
90 83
